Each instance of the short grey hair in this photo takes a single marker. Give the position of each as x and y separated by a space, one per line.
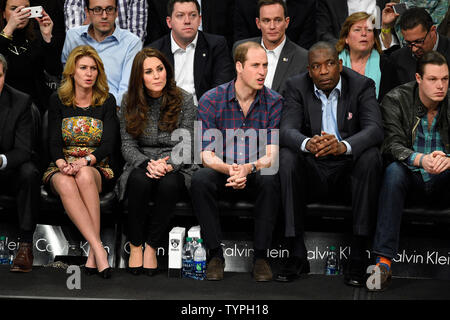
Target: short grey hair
4 63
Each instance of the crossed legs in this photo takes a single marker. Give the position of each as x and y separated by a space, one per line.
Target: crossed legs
80 197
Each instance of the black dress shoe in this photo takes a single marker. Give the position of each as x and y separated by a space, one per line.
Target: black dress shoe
90 271
135 270
106 273
292 270
150 271
355 272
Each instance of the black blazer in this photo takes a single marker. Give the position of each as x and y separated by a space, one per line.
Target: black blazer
330 16
212 61
358 112
389 78
405 62
293 60
301 30
16 127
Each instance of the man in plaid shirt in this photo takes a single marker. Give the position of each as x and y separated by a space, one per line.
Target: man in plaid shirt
416 119
236 117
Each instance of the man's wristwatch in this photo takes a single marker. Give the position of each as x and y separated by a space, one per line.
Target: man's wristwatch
253 168
88 159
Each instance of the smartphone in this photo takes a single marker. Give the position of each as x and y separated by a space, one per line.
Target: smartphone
36 12
400 8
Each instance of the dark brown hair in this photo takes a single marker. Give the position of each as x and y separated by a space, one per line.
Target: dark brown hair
28 30
262 3
136 100
432 57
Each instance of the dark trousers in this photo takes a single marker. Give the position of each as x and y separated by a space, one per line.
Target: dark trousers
400 184
305 178
165 193
208 186
24 184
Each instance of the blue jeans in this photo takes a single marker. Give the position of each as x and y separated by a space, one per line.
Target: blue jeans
400 182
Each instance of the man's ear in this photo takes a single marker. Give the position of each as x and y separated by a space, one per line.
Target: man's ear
418 78
258 23
169 22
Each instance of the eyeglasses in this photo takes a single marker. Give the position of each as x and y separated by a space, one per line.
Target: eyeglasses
99 10
416 43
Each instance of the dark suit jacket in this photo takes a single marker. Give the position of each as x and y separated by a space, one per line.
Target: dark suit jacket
293 60
212 61
389 78
330 16
217 16
301 30
16 127
358 112
405 63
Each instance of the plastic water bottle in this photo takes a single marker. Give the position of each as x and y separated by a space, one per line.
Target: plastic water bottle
4 254
332 262
187 259
200 261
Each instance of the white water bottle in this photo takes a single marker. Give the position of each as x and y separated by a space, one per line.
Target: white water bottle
200 261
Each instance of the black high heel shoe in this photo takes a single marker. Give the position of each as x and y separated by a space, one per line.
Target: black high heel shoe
105 273
90 271
151 271
135 270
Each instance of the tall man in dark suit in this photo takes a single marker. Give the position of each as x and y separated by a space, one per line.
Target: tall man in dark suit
201 61
331 14
302 28
330 131
285 57
420 37
18 174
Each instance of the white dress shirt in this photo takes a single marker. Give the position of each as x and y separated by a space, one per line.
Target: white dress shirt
272 58
184 65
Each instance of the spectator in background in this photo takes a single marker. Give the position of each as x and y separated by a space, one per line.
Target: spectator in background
360 50
331 14
28 50
392 35
19 175
285 57
132 15
82 131
420 36
153 108
201 60
216 18
302 26
115 46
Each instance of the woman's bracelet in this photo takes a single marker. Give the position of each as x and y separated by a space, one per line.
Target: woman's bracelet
4 35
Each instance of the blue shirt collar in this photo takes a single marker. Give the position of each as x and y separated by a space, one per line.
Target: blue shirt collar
232 92
337 89
116 34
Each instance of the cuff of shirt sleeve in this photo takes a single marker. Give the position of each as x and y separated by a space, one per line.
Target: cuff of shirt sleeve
303 146
4 161
410 159
349 148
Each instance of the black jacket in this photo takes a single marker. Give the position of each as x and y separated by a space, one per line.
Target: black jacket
402 110
213 65
358 112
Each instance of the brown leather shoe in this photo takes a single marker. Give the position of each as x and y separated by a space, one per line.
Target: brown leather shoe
23 262
262 270
215 268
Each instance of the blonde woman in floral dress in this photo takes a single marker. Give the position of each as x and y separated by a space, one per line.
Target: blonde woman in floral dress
82 127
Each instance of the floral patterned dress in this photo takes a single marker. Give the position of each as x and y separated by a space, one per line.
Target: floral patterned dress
76 132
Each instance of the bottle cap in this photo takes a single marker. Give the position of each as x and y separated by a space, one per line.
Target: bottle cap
332 248
2 238
199 240
188 239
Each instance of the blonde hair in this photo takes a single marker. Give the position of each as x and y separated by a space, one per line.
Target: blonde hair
347 25
100 90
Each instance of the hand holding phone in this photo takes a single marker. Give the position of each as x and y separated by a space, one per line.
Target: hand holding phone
400 8
35 12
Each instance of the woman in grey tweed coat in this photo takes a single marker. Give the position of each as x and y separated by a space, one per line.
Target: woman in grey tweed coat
153 108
